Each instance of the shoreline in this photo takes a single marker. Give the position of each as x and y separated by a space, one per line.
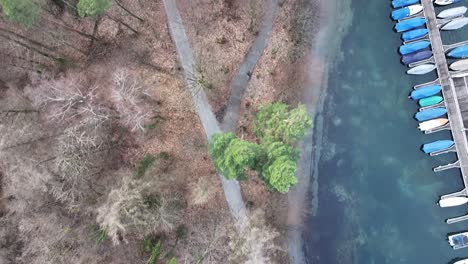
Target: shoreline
323 56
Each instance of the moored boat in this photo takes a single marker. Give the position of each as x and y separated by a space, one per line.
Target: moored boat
461 65
462 261
422 69
459 240
425 91
416 56
438 145
459 53
433 100
453 201
431 124
445 2
459 74
453 12
406 11
456 23
414 47
409 24
414 34
402 3
430 114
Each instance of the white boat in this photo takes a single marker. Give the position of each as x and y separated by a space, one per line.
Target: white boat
459 74
445 2
456 23
463 261
422 69
453 201
453 12
461 65
415 9
431 124
459 240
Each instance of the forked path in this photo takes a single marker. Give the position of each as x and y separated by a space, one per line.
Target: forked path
210 124
241 80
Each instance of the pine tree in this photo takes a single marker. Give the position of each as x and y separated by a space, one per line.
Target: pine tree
23 12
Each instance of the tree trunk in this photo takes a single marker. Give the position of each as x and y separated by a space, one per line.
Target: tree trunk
29 47
128 11
123 23
72 29
32 41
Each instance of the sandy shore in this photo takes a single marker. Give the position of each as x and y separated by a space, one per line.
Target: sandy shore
336 17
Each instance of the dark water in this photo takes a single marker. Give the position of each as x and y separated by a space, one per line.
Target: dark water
377 191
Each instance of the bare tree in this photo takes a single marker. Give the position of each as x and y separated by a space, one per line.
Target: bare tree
127 93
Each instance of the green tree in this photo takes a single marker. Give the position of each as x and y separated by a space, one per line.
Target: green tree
93 7
23 12
281 174
276 122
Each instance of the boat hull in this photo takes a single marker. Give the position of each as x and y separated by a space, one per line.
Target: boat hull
422 69
452 12
414 47
425 91
430 114
402 3
414 34
456 23
416 56
453 201
445 2
410 24
461 65
406 12
432 124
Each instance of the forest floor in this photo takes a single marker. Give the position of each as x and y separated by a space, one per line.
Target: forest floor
36 227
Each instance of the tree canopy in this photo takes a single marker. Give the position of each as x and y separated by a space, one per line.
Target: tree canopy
23 12
93 7
275 159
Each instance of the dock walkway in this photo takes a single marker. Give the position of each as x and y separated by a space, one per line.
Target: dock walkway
455 93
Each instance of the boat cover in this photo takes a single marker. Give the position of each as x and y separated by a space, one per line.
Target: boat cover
430 114
430 101
425 91
459 241
438 145
453 12
416 56
402 3
456 23
414 47
460 52
409 24
400 13
414 34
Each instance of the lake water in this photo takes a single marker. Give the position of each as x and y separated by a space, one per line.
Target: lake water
377 190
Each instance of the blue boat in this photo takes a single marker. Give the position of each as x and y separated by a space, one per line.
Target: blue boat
425 91
414 34
438 145
414 47
402 3
430 114
416 56
409 24
406 11
460 52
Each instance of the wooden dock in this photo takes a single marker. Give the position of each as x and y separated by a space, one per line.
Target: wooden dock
455 93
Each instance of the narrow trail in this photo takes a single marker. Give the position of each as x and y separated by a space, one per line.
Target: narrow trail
210 124
241 80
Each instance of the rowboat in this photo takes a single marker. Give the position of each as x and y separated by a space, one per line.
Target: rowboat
414 47
459 240
416 56
431 124
438 145
456 23
406 11
460 52
461 65
433 100
453 201
414 34
422 69
402 3
430 114
445 2
425 91
409 24
459 74
453 12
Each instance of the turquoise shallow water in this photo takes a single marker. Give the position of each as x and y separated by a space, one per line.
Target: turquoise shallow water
377 191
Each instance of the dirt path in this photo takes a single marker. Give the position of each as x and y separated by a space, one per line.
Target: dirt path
184 51
241 80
